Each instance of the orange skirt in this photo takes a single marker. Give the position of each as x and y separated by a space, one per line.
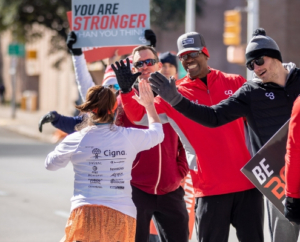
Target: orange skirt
97 223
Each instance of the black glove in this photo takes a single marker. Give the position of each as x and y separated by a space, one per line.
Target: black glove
124 76
165 88
292 209
48 118
150 35
72 38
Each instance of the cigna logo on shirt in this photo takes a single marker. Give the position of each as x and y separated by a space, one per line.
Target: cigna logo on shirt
96 152
113 153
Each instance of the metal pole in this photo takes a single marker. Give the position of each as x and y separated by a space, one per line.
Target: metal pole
253 24
190 15
13 66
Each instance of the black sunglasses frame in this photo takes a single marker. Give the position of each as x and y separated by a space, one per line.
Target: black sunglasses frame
258 61
192 55
148 62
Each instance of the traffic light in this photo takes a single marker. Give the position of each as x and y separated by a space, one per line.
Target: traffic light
232 27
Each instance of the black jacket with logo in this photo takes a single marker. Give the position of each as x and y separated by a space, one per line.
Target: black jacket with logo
266 107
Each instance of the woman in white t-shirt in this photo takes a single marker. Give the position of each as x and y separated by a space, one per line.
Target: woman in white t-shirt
102 155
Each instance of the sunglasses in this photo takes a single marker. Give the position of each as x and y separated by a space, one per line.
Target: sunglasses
116 86
192 55
148 62
259 61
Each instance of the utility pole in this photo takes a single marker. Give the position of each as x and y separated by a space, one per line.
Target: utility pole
252 24
190 15
190 19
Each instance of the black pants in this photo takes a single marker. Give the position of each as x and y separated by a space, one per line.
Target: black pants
244 210
169 211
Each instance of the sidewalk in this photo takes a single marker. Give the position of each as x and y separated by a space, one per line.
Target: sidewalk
26 123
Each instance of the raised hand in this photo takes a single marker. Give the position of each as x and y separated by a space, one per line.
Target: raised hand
124 75
165 88
72 38
150 36
146 97
48 118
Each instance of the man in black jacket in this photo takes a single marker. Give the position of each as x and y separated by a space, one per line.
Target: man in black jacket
266 102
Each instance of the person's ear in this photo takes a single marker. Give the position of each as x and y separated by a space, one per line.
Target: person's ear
160 65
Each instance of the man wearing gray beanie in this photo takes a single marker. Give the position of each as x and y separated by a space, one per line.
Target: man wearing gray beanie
266 101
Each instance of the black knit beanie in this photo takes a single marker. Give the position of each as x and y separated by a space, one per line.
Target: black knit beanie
168 57
262 45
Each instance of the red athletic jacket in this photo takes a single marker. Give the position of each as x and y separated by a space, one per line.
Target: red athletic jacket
292 157
160 169
215 156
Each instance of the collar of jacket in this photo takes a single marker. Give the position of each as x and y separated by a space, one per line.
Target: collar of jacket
211 77
291 76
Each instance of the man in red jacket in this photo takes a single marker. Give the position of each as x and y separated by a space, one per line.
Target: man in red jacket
157 173
223 194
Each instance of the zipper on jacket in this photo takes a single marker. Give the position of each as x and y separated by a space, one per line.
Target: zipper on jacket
286 93
209 96
159 169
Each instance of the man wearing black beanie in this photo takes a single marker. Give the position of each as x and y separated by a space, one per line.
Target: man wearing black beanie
266 101
169 64
262 45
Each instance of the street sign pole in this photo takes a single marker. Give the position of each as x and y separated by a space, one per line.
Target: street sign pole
13 66
15 50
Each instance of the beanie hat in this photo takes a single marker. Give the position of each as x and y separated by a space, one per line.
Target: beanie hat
262 45
109 78
168 57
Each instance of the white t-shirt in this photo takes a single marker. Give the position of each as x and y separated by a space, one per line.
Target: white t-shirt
102 157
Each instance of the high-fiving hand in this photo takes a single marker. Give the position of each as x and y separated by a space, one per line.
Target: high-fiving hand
146 97
165 88
124 75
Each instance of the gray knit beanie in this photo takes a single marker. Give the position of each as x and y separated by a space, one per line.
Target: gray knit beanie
262 45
